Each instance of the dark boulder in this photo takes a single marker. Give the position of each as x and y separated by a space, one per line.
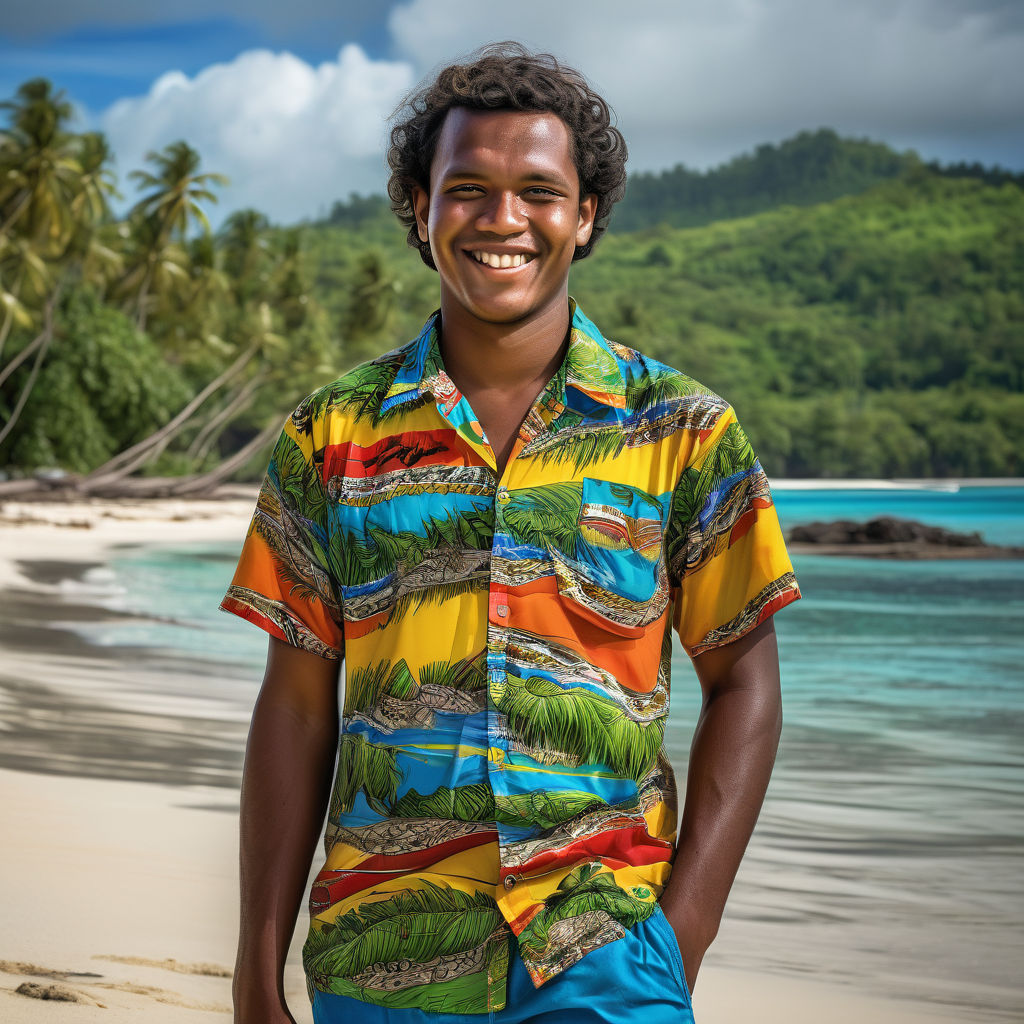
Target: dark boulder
882 530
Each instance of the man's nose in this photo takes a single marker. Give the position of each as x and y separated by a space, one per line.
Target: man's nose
503 214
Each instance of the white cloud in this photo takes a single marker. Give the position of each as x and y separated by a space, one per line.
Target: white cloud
292 137
698 82
690 81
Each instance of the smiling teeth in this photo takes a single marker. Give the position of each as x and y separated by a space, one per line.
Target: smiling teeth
492 259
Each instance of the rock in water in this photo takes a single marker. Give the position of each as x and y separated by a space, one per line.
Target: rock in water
882 530
889 537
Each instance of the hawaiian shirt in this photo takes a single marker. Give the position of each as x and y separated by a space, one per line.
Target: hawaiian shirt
501 772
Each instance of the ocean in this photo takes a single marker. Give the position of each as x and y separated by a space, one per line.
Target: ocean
888 852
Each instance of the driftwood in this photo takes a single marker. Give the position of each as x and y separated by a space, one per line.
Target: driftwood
72 486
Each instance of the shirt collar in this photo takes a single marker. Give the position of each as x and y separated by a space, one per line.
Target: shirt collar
590 370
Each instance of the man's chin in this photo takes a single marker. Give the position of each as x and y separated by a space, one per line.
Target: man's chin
501 309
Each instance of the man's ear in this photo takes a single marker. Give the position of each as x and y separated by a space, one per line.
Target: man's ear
588 211
421 207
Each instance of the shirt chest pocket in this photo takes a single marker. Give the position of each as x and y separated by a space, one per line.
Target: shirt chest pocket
617 579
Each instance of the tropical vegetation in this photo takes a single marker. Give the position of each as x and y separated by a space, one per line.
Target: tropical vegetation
861 309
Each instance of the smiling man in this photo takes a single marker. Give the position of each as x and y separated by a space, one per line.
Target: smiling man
497 527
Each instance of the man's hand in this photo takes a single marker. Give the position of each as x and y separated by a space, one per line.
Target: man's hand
286 782
731 761
691 941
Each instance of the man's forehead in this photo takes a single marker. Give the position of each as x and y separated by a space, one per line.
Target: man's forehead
533 136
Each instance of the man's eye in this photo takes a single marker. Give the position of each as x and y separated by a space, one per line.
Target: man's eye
542 191
465 188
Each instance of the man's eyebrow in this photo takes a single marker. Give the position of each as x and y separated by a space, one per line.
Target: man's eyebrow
548 177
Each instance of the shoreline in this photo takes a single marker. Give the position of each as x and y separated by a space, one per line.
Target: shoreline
109 807
84 530
947 484
906 551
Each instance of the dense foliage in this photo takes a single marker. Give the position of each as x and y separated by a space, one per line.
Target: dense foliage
810 168
145 344
879 333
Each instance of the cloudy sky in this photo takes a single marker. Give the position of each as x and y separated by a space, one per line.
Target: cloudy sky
291 99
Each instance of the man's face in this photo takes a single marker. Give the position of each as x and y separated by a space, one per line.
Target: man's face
503 190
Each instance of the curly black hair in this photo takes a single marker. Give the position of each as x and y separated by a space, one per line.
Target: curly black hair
507 76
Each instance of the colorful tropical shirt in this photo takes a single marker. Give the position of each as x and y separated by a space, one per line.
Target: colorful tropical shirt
507 644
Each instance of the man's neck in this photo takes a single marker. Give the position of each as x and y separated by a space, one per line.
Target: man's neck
513 358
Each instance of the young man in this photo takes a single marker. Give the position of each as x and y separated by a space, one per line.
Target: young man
498 526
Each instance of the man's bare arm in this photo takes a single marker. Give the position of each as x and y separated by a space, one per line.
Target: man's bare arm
286 783
731 761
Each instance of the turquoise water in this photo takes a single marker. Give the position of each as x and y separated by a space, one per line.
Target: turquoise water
889 850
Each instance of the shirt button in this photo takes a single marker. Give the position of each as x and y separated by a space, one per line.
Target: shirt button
502 611
503 495
510 882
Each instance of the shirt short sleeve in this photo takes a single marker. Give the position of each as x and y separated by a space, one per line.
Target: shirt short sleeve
727 559
283 581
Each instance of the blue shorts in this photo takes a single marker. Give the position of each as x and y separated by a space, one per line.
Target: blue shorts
637 979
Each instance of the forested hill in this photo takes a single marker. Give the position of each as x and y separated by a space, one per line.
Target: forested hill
811 167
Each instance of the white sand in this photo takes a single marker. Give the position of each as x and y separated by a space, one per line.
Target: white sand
84 531
137 882
93 871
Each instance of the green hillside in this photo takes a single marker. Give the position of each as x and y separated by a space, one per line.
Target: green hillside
810 168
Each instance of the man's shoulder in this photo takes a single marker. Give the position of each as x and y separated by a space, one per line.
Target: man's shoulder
653 385
358 393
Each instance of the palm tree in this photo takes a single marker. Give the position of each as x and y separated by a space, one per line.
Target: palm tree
246 247
292 291
53 194
170 208
40 175
40 163
156 267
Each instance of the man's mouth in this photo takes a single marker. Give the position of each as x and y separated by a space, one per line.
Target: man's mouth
501 261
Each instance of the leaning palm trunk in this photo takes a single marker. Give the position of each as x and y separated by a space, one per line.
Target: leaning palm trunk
200 485
205 482
44 345
148 448
215 426
28 350
196 486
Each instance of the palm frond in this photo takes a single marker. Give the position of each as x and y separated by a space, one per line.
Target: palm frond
459 803
546 515
646 390
582 891
417 925
581 446
540 713
369 768
466 674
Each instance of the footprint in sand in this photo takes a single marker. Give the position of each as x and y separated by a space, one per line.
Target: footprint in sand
170 964
62 993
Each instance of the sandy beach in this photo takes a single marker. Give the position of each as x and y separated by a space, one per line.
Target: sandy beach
118 866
